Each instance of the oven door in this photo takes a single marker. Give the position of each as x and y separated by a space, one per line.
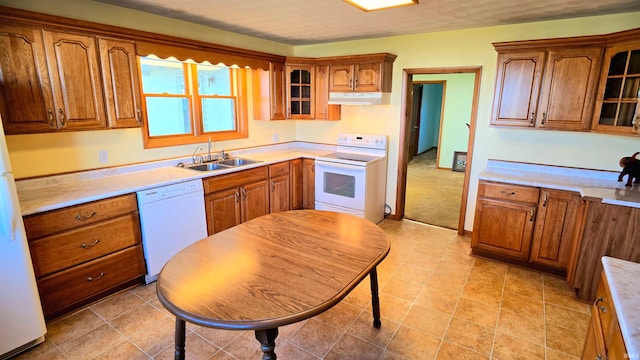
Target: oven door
340 184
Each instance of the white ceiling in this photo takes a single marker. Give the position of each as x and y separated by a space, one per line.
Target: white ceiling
300 22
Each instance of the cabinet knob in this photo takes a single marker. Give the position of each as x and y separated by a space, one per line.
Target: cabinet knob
533 117
544 118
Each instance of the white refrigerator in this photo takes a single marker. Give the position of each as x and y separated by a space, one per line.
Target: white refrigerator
21 321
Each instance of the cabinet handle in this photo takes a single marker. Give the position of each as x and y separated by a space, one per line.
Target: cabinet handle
89 246
356 86
85 218
546 199
544 118
533 117
90 279
139 116
598 300
62 120
52 124
244 193
237 195
273 186
532 213
507 193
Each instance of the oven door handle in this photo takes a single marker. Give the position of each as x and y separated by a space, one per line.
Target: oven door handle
334 165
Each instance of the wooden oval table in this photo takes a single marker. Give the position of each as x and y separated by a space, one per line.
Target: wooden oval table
272 271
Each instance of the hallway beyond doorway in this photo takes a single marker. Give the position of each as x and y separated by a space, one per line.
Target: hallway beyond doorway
433 196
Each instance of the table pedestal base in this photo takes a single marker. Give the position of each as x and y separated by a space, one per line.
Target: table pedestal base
267 340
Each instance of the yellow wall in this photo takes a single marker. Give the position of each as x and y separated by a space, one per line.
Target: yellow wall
55 153
473 47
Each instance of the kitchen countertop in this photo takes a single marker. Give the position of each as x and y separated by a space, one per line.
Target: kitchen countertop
623 278
589 183
58 191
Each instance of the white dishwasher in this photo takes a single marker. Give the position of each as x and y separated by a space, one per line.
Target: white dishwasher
172 217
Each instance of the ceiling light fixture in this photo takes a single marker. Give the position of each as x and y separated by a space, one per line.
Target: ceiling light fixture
370 5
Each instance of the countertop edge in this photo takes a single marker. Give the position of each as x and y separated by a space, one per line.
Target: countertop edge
623 278
588 183
59 191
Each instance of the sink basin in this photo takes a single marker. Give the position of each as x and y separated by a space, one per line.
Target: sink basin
208 167
237 161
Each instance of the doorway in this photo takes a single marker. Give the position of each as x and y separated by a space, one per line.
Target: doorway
409 137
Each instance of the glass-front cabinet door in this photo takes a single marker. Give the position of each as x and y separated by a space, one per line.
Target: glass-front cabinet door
300 92
618 103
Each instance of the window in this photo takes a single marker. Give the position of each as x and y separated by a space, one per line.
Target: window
187 103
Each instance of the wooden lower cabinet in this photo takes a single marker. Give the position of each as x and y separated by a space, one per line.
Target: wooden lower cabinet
234 198
528 225
504 220
59 292
308 183
607 230
297 186
279 187
604 337
556 227
504 228
85 252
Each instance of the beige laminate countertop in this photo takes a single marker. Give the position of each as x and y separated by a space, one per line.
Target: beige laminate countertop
623 278
589 183
55 192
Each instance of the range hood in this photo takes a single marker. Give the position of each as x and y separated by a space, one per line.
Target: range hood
359 98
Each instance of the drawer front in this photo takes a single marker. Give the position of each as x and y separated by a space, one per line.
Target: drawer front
73 247
52 222
509 192
278 169
222 182
73 285
605 310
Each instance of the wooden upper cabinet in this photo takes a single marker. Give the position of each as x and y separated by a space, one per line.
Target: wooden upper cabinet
361 73
121 82
568 88
75 76
324 111
301 91
341 78
552 89
617 108
26 100
269 98
517 88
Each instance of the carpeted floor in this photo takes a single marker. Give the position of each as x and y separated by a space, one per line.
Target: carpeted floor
433 196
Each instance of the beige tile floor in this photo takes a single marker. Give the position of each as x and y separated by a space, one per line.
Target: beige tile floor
437 302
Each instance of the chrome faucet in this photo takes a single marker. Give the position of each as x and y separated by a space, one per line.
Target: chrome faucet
223 155
193 156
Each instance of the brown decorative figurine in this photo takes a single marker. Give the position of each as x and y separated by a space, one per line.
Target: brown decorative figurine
630 166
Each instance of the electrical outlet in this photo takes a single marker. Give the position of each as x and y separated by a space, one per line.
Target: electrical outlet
103 155
275 138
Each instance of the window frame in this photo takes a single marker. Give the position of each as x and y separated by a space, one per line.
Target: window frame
238 79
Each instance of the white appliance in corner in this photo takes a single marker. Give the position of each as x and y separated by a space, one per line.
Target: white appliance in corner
21 320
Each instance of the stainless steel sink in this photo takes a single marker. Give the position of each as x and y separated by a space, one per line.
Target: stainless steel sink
208 167
221 164
237 161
